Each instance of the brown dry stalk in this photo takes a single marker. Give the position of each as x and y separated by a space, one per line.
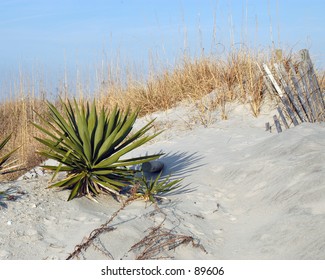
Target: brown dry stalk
160 239
99 246
98 231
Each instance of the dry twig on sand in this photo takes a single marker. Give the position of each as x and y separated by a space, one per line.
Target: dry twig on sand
160 239
103 228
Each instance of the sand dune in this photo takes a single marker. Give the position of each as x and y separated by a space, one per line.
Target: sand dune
248 194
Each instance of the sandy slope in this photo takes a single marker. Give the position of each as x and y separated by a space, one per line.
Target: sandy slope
248 194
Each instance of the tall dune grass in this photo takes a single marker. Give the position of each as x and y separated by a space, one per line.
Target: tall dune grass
236 78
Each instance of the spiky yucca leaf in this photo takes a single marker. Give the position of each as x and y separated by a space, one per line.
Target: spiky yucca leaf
89 145
154 189
5 165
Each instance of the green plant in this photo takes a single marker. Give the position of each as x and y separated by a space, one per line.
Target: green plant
89 146
154 189
7 166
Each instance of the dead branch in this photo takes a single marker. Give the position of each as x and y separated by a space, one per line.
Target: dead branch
160 239
96 232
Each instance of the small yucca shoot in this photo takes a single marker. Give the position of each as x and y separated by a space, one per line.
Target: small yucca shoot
155 189
7 166
89 145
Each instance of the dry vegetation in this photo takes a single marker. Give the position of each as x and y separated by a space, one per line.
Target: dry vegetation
236 78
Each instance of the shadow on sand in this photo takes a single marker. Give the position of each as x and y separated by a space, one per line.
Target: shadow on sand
177 166
10 194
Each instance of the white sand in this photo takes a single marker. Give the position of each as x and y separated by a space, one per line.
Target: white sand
248 194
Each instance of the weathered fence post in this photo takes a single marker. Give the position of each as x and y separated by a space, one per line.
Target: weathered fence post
314 88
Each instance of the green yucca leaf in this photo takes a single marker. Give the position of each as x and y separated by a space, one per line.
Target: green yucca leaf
90 145
112 122
134 161
92 121
6 157
4 142
104 181
5 166
46 131
75 190
106 147
100 131
116 156
59 155
124 130
63 168
87 146
154 189
113 182
58 169
53 145
71 180
93 188
63 125
102 171
137 135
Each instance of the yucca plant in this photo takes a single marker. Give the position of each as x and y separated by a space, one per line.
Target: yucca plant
154 189
6 166
89 146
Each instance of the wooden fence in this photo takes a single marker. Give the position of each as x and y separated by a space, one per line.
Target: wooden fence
298 91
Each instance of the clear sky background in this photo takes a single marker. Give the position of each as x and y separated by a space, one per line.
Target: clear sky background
52 35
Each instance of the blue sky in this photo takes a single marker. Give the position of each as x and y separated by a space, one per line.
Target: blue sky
51 35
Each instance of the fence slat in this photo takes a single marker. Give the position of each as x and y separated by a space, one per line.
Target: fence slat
274 82
302 74
283 79
301 97
283 118
310 68
286 103
313 83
